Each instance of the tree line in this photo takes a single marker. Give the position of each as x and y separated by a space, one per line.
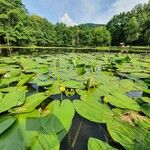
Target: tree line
17 27
132 27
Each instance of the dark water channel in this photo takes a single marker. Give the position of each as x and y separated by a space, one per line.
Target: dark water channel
81 130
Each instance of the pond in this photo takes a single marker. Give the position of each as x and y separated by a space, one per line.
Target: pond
74 99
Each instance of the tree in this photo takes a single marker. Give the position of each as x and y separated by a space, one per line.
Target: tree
13 19
64 35
132 30
42 31
102 37
117 26
119 23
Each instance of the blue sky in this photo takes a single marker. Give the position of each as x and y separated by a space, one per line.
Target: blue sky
80 11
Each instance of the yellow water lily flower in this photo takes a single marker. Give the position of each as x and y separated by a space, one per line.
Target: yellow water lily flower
62 88
106 100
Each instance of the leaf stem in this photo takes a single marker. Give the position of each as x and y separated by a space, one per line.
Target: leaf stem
61 96
77 134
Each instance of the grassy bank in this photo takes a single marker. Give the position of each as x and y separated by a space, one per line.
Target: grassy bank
105 49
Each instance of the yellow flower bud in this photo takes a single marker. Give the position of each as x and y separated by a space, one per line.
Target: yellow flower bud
106 100
62 88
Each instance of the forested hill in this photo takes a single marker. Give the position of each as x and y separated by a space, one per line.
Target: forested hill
17 27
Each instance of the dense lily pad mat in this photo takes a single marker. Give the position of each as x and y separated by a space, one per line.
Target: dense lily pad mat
40 95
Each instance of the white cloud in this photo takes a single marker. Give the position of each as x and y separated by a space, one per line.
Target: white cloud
117 7
125 5
67 20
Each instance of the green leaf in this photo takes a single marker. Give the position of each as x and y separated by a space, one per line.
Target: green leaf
45 142
6 82
24 79
73 84
11 89
146 109
54 89
59 118
22 133
129 137
6 122
127 85
28 63
146 99
31 103
95 111
140 75
1 96
12 99
95 144
122 101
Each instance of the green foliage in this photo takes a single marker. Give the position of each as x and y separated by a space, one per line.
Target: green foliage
125 28
39 98
102 37
6 122
12 99
13 22
18 28
132 30
95 144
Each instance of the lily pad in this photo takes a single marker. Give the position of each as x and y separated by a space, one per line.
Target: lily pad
12 99
6 122
122 101
95 111
31 103
127 135
59 117
95 144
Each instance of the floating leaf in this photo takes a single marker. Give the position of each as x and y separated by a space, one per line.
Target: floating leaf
24 79
28 63
127 135
46 141
135 119
73 84
12 99
95 111
11 89
146 99
31 103
23 132
1 96
54 89
146 109
6 122
122 101
95 144
59 117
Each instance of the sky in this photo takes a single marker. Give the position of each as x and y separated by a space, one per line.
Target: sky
74 12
